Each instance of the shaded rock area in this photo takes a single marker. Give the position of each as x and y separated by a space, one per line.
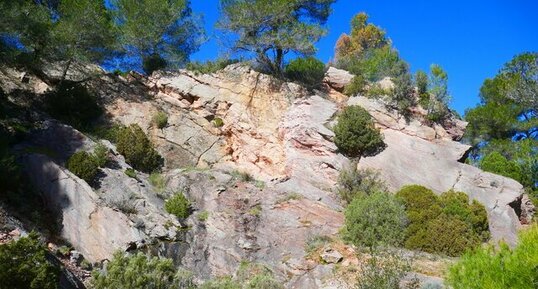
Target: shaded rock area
256 157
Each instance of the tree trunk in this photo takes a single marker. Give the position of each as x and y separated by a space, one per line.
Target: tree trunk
278 60
66 69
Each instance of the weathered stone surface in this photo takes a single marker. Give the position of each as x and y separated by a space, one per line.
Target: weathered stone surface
96 231
337 78
411 160
331 256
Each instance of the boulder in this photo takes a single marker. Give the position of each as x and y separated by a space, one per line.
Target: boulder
331 256
337 78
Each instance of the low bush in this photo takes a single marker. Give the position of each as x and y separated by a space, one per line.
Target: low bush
178 205
160 119
210 66
383 270
83 165
375 220
355 133
137 149
498 164
131 173
100 153
153 63
353 182
141 271
72 103
492 268
357 86
448 224
157 181
24 265
309 71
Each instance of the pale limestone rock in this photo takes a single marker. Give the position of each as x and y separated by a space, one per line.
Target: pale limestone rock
337 78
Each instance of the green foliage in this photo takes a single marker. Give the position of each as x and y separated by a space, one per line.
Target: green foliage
383 270
72 103
131 173
421 81
402 97
271 29
498 164
209 66
162 33
24 265
375 220
160 119
203 216
10 172
100 153
357 86
178 205
157 181
218 122
153 62
83 165
439 97
353 183
449 224
355 133
309 71
141 272
499 268
138 151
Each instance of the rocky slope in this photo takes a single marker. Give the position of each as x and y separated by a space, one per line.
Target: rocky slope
279 134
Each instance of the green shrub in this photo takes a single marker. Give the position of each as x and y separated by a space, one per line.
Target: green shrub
83 165
383 270
72 103
160 119
153 63
100 154
353 183
141 272
138 151
447 224
376 91
498 164
178 205
375 220
210 66
489 268
131 173
357 86
309 71
157 181
24 265
355 133
218 122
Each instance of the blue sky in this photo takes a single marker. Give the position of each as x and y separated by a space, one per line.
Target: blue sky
471 39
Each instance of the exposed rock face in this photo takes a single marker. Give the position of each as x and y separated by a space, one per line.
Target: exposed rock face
92 220
417 154
274 131
337 78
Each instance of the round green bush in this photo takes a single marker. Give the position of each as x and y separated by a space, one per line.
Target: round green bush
72 103
141 271
153 63
83 165
375 220
355 133
353 183
24 265
309 71
448 224
178 205
137 149
160 119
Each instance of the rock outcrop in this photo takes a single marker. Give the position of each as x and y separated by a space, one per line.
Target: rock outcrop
256 157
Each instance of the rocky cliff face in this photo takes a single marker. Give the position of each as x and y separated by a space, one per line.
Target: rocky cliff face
278 133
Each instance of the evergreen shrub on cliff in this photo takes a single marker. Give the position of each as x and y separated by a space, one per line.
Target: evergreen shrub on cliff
24 265
178 205
83 165
448 224
500 268
355 133
137 149
141 271
309 71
